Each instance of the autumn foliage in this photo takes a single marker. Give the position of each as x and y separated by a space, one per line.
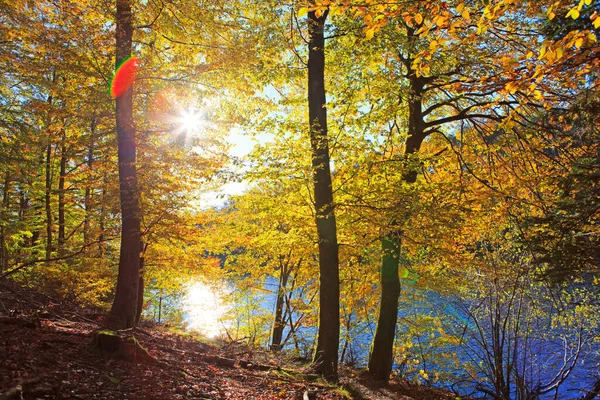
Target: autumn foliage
416 184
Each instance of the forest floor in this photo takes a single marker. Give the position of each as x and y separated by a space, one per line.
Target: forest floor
46 352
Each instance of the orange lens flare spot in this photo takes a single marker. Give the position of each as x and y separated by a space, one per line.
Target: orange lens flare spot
124 76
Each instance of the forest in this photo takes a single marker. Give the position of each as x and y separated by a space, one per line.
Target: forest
339 199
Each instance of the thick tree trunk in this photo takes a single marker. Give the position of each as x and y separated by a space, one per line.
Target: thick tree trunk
278 323
382 351
326 355
124 308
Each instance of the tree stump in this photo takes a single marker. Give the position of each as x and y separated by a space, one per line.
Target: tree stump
124 347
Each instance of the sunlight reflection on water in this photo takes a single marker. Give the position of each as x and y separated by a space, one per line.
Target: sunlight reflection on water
205 309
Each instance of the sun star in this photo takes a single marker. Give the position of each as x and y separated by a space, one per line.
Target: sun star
190 121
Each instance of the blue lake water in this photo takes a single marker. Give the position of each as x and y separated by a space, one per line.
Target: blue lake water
544 353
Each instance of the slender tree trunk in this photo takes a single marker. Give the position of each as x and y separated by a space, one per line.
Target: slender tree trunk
24 205
48 201
159 308
3 222
87 202
140 298
347 339
279 323
101 235
326 355
124 307
382 351
592 394
61 197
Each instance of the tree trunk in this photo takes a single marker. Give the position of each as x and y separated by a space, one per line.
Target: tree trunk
61 197
48 200
123 311
347 338
140 297
326 355
382 351
159 307
278 324
101 236
592 394
3 222
87 202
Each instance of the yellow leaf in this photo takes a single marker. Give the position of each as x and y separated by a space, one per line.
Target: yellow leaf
579 42
529 55
418 18
302 12
422 31
433 45
597 23
369 33
460 7
542 52
537 95
511 87
588 2
573 13
551 15
465 14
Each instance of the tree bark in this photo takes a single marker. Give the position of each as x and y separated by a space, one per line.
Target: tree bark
592 394
61 197
101 235
326 355
48 201
140 297
278 323
88 189
3 222
382 351
124 307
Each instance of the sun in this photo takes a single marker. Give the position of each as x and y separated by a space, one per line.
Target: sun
190 121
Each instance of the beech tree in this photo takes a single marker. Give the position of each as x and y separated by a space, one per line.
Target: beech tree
326 353
124 308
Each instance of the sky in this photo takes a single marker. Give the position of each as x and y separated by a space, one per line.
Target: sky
241 146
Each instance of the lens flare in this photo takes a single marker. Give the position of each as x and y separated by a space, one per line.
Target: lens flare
124 76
